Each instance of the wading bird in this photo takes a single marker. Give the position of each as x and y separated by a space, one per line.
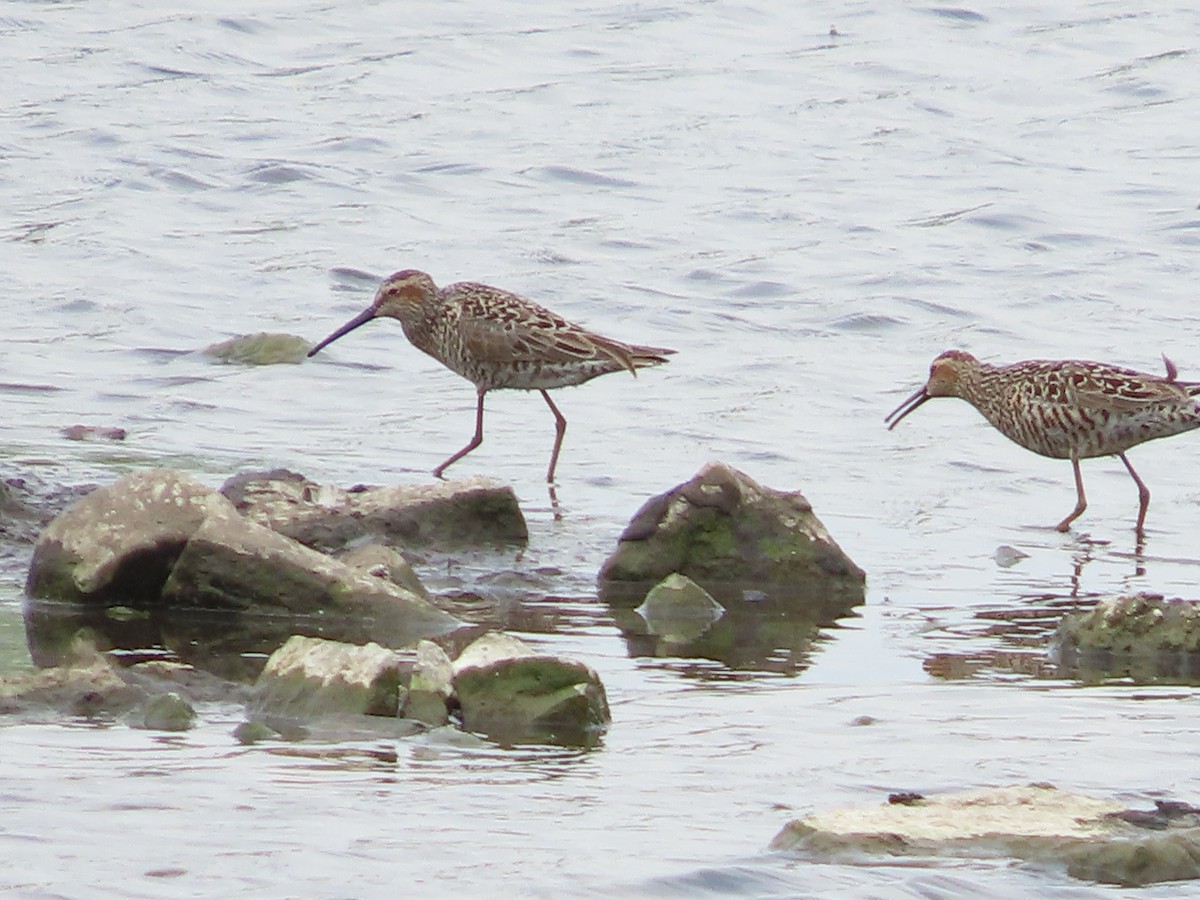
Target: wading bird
496 339
1067 409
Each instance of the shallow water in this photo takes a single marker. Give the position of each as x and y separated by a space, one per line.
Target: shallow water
807 218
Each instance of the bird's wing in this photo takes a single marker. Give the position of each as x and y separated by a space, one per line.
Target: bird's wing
508 328
1122 390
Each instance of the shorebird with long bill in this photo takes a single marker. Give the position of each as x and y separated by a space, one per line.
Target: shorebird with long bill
1067 409
496 340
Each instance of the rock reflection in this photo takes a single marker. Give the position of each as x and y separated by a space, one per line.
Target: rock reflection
758 638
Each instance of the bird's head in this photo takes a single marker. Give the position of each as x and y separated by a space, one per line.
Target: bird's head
947 374
404 296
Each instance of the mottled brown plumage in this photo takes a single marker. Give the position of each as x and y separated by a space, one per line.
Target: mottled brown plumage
1067 409
496 339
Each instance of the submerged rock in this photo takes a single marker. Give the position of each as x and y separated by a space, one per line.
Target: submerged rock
513 694
1094 839
679 610
86 684
28 505
453 513
117 545
1140 635
261 349
164 712
94 433
309 677
732 536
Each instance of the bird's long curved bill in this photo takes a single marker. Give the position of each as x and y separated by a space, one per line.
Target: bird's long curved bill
905 408
361 319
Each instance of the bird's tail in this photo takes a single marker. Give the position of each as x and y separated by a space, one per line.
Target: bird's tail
648 356
631 356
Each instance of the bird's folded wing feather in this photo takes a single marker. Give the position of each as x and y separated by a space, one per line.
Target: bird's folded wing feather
542 337
1130 396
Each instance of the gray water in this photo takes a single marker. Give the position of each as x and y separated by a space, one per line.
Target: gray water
808 218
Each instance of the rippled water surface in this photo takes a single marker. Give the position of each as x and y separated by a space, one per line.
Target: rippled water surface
808 217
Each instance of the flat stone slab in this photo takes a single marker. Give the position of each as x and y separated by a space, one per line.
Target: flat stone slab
1094 839
445 513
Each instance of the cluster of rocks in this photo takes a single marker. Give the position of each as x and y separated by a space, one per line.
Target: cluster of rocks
297 587
721 567
222 580
334 634
497 685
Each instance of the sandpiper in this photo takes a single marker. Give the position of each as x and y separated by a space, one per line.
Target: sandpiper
1067 409
497 339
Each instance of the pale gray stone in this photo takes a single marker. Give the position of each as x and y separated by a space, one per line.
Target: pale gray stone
116 546
444 513
309 677
1093 839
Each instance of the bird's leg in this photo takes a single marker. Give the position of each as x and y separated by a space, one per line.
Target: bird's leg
1143 494
475 441
560 428
1081 503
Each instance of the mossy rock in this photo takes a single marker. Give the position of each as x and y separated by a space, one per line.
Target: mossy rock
732 536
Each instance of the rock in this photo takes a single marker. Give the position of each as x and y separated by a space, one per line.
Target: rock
94 433
429 686
28 505
164 712
385 562
1095 839
261 349
732 536
233 565
253 732
85 685
1142 636
514 695
454 513
157 676
117 545
1006 556
679 610
309 677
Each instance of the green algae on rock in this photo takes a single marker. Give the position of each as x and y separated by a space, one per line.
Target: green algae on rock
260 349
1142 636
513 694
731 535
